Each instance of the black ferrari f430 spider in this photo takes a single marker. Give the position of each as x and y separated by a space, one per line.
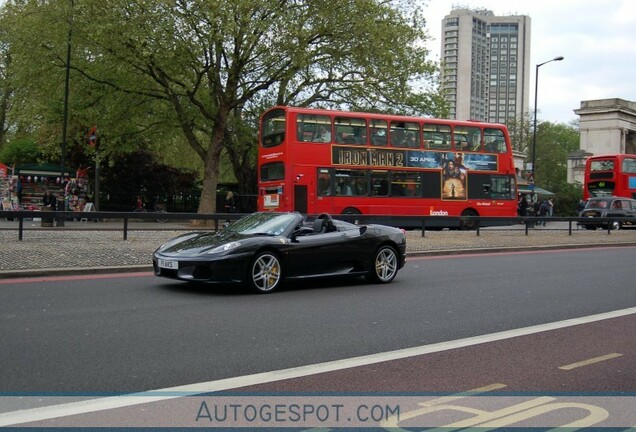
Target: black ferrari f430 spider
262 250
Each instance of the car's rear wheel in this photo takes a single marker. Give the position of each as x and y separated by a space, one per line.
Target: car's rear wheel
615 225
385 265
265 273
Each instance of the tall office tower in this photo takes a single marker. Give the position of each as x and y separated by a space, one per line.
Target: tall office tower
486 65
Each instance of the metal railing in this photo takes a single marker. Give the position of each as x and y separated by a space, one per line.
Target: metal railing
425 223
125 217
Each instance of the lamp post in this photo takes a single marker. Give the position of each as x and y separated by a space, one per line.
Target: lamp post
60 221
534 128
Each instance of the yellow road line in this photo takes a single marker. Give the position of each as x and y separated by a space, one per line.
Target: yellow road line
590 361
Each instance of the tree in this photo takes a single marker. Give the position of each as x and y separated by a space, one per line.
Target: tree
20 152
520 133
6 90
208 67
554 142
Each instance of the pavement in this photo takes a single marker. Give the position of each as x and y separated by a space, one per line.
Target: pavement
99 247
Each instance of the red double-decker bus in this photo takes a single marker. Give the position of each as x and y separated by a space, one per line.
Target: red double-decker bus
322 161
610 175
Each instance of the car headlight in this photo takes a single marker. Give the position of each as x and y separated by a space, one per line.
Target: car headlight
224 247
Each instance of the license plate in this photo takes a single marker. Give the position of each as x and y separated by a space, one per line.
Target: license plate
168 264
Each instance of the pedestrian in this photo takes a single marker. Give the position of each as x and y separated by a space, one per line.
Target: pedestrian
18 187
522 205
580 206
543 211
230 206
49 201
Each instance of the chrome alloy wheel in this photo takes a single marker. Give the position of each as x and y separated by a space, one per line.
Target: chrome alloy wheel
266 272
386 264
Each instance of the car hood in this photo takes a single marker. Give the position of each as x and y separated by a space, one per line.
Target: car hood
197 243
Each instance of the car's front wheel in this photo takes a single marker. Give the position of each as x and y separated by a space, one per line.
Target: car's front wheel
265 273
385 265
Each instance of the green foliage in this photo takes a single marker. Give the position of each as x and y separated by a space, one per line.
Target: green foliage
20 152
566 199
179 77
554 142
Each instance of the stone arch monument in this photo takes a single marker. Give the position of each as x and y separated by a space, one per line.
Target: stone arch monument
606 126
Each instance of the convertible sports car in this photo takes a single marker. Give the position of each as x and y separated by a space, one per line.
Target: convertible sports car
264 249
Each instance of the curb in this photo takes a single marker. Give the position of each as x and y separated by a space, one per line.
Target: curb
29 273
503 249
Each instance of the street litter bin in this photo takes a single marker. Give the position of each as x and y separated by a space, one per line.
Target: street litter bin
47 221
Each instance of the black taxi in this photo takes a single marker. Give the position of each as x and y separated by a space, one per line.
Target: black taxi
623 209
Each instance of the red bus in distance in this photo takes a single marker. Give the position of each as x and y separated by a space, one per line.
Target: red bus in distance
610 175
322 161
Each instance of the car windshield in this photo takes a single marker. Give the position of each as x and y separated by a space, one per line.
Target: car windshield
263 223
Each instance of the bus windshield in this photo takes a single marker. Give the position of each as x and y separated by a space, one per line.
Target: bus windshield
273 129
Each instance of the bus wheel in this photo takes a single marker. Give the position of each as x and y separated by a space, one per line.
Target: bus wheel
465 223
351 211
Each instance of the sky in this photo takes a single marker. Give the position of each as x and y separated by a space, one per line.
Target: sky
597 39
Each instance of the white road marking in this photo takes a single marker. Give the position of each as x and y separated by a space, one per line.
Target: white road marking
112 402
590 361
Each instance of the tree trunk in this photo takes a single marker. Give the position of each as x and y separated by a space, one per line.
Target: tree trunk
207 202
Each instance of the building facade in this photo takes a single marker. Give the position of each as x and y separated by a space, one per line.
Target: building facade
607 126
486 65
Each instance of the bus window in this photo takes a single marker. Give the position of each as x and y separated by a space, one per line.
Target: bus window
494 141
629 166
602 165
350 130
406 183
313 128
379 183
324 182
379 132
501 187
272 171
351 182
467 138
405 135
273 129
437 137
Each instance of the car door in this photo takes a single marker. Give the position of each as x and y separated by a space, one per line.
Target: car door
630 211
316 254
